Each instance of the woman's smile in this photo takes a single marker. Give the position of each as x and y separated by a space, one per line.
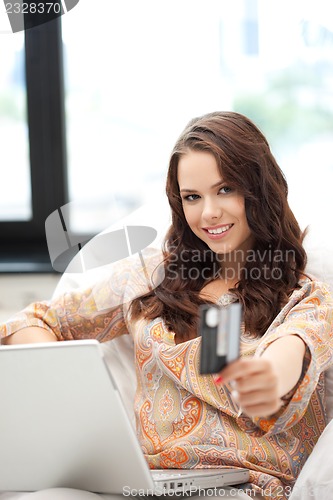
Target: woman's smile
218 232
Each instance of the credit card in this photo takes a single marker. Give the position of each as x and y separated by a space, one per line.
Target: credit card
220 329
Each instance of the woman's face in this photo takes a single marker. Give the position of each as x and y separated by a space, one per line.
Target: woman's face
214 211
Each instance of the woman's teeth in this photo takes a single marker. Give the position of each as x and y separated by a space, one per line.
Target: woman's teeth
220 229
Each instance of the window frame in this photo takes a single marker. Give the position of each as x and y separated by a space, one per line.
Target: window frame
23 245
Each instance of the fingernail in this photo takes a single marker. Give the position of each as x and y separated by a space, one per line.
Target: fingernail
218 379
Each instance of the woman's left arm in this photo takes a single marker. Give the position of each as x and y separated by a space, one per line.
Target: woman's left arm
260 383
286 356
288 361
274 387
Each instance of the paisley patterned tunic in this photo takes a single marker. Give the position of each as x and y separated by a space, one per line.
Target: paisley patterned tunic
183 419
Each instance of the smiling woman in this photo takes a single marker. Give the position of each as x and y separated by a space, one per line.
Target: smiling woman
265 411
231 179
215 213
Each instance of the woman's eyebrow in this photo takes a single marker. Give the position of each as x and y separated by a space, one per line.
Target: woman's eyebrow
195 191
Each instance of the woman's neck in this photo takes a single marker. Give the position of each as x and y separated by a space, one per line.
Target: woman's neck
231 267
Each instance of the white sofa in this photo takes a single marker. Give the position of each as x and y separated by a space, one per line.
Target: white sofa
316 479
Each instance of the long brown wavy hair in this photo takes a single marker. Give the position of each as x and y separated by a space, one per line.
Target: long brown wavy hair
278 258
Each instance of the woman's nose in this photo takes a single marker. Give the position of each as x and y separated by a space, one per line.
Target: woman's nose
212 210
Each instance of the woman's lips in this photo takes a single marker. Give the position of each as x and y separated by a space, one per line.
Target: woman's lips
221 234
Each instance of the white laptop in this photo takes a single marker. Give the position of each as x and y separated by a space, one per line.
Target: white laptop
63 424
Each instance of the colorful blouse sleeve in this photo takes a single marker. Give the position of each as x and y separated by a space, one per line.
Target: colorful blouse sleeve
309 314
98 312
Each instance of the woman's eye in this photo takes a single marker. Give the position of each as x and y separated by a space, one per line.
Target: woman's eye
191 197
225 190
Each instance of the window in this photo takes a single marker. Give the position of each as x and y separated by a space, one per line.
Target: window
136 72
15 200
250 26
147 67
41 183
